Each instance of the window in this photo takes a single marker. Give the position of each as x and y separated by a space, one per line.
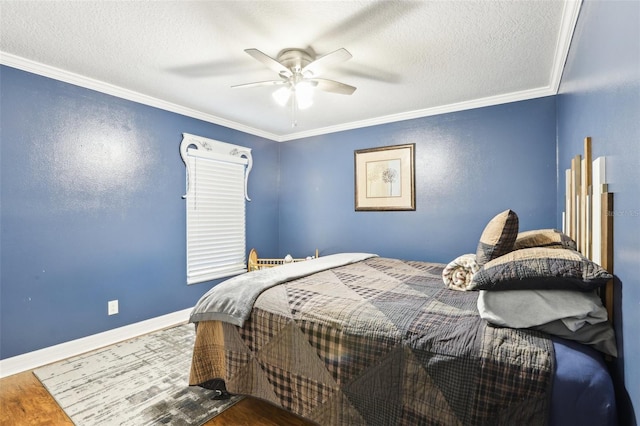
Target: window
217 176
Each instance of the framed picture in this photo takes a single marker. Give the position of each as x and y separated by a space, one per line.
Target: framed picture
385 178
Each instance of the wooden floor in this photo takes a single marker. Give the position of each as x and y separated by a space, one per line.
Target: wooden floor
24 401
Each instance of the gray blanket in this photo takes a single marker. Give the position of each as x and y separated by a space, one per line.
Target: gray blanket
231 301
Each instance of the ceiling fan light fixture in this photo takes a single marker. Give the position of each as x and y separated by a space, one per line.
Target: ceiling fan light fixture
304 94
281 96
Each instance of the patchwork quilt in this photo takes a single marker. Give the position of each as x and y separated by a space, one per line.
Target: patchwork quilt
379 342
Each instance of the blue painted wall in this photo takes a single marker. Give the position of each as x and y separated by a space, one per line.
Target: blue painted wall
470 165
92 210
600 97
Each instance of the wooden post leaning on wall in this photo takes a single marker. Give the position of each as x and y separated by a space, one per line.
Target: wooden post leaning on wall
566 217
581 193
585 199
607 248
574 199
598 187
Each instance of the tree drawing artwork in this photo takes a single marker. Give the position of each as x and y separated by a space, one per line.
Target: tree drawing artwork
389 176
383 178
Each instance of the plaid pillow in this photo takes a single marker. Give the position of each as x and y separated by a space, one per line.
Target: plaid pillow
551 238
498 237
540 268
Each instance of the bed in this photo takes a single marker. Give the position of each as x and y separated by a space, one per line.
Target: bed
515 333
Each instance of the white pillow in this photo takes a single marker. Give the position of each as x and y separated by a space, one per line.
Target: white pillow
528 308
570 314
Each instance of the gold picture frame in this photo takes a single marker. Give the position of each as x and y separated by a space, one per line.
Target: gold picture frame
385 178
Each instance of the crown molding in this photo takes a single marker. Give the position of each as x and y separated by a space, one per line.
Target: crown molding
570 15
427 112
110 89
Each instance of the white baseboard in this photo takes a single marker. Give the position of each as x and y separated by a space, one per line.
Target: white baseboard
35 359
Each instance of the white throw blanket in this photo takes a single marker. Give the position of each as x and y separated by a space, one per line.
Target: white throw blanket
458 274
232 300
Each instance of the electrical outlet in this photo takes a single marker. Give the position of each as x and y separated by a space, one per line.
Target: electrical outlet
112 307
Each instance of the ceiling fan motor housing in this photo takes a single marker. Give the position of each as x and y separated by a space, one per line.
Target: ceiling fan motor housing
295 59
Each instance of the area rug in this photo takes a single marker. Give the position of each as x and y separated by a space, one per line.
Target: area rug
143 381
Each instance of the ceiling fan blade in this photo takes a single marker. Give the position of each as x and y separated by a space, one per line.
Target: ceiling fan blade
326 61
333 86
260 83
269 62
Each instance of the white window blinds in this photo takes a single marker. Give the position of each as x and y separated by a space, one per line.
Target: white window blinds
217 174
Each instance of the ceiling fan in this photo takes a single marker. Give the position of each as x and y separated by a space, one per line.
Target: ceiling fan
298 70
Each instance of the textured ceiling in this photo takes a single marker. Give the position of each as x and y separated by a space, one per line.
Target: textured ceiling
410 58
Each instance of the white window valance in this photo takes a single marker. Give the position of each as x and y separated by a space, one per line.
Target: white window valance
217 179
213 149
